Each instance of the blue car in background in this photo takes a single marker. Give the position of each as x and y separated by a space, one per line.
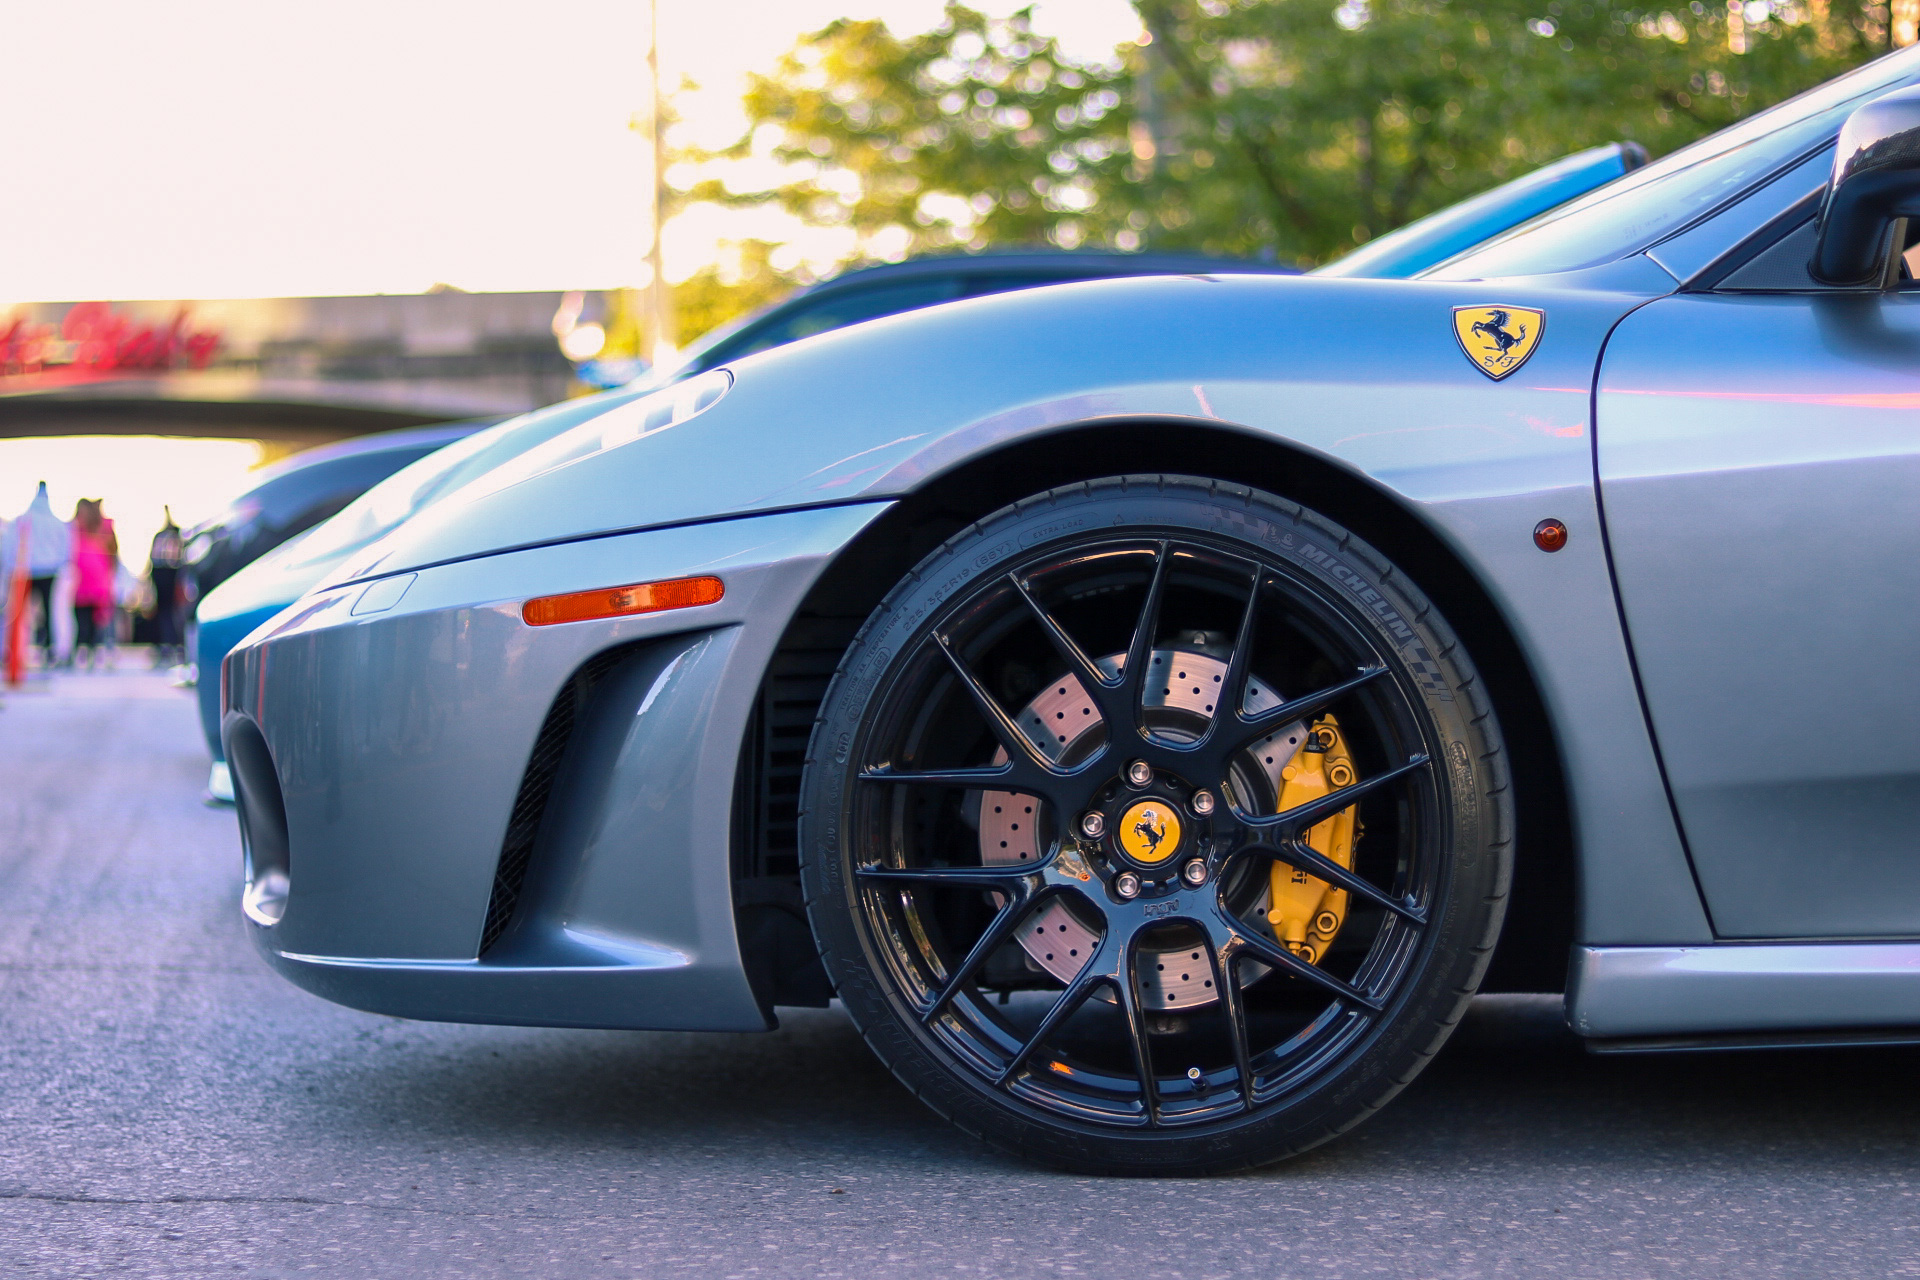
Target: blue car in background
1402 254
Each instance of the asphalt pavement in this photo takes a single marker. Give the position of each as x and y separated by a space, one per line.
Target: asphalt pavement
168 1107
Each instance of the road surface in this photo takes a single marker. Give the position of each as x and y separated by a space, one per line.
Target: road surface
168 1107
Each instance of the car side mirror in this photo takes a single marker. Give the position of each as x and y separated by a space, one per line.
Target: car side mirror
1874 189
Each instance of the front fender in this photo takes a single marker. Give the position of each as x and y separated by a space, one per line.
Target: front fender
1364 374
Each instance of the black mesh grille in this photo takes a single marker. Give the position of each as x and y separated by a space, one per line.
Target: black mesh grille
767 835
536 785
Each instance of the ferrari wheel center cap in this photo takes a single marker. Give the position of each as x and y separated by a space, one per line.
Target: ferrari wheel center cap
1149 832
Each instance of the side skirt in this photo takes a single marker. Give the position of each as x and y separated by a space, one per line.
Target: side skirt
1640 994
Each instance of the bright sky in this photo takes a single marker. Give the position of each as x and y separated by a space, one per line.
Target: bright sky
261 149
136 475
265 148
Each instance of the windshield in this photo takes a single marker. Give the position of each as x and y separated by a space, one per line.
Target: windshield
1651 203
394 500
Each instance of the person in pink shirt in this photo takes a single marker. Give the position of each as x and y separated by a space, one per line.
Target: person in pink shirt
95 553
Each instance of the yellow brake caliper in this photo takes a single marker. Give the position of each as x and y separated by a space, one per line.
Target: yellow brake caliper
1307 912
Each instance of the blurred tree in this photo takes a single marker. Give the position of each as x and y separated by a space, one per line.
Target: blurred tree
1308 129
1289 128
718 293
979 132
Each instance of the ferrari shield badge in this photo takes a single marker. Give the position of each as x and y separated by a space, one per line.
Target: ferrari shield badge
1498 339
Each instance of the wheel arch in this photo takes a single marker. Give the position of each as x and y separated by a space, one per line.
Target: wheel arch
1540 923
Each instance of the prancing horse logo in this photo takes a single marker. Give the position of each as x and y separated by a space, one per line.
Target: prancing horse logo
1498 339
1149 832
1495 327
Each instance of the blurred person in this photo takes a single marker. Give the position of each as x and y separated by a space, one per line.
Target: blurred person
164 559
49 549
129 598
96 554
9 606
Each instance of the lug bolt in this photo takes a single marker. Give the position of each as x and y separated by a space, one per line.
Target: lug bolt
1139 773
1203 803
1127 885
1194 873
1093 824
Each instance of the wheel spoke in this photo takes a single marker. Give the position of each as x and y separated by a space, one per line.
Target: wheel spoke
1009 734
1083 668
1140 649
996 776
1004 879
1233 692
1254 727
1094 972
1129 988
998 931
1235 1009
1292 822
1272 953
1296 853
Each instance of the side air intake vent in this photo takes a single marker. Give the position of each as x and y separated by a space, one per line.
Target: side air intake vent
536 785
775 941
766 833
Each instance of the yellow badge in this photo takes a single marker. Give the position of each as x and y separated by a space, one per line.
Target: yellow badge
1498 339
1150 832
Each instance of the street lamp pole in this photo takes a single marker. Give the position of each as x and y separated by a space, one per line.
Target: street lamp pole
659 296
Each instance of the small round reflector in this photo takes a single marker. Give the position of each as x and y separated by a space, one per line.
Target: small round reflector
618 602
1550 535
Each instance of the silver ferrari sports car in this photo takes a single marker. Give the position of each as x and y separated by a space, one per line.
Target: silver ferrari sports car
1154 707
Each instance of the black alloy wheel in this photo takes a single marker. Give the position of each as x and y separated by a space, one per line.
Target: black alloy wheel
1155 825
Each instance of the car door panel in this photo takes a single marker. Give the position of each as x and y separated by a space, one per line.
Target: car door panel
1758 459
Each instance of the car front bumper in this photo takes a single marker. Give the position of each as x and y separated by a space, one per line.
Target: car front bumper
381 759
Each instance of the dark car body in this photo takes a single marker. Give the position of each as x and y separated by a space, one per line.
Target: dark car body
294 495
873 292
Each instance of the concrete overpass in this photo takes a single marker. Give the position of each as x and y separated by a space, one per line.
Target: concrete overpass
301 371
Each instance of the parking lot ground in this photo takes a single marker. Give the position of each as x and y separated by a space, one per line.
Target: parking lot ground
170 1108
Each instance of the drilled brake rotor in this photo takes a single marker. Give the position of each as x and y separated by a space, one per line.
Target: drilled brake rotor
1063 721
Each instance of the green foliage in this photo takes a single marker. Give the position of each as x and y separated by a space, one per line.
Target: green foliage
1277 127
977 133
713 295
1311 130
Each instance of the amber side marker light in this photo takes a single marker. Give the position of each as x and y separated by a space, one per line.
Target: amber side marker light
1550 535
618 602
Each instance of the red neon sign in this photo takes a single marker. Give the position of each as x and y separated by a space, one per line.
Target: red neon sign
95 341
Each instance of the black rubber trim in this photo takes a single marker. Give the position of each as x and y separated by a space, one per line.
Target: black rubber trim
1708 278
1856 1038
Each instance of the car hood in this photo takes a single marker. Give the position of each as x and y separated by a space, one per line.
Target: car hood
872 411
